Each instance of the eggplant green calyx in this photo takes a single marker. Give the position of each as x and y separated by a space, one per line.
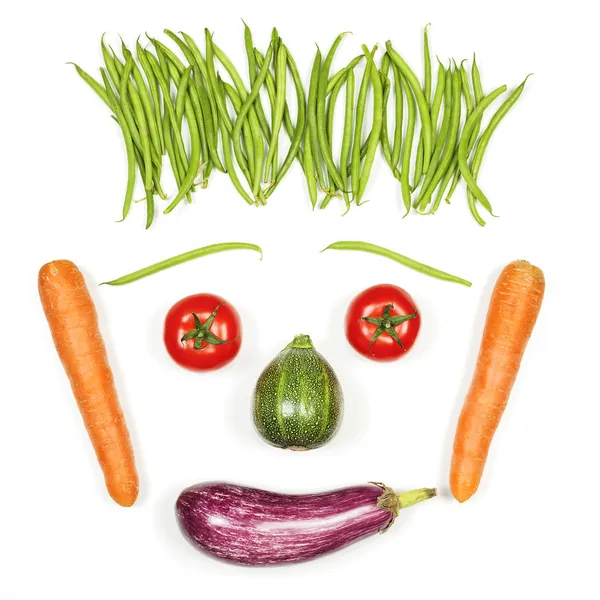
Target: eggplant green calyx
387 324
300 341
202 335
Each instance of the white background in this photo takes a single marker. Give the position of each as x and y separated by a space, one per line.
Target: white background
532 529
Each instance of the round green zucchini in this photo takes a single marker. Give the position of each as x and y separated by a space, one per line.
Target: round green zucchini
298 400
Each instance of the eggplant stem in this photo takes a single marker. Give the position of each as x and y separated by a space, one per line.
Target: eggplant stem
407 499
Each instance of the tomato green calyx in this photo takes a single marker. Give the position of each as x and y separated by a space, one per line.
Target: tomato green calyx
202 335
387 324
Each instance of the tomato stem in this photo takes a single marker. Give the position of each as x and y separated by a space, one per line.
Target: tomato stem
202 335
387 324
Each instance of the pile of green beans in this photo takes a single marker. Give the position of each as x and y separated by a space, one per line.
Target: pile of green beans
196 109
444 153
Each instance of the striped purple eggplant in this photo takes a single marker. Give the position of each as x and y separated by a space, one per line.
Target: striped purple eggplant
254 527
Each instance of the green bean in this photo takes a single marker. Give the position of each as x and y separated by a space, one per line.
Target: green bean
375 129
203 96
260 113
487 134
418 175
427 61
257 139
277 118
312 119
436 104
219 93
451 142
466 88
182 258
128 109
114 105
177 73
228 159
182 95
385 138
109 62
408 141
154 93
202 66
309 170
399 258
398 129
408 73
361 105
174 74
341 73
469 106
212 140
324 146
97 87
445 181
331 108
248 168
169 110
449 110
296 138
195 158
476 79
250 101
347 135
418 171
464 144
141 119
145 101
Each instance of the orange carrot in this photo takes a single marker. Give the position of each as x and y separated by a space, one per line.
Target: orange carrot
73 322
513 311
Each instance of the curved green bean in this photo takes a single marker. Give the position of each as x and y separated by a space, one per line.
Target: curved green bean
399 125
464 145
487 134
248 168
280 101
229 164
140 118
257 139
250 99
408 73
252 73
313 89
324 143
384 71
145 100
408 141
361 105
170 110
194 163
419 170
451 142
399 258
114 105
97 87
449 111
347 135
296 138
309 170
182 258
202 66
427 67
376 127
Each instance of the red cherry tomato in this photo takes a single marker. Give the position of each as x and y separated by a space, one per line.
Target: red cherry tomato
382 322
203 332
